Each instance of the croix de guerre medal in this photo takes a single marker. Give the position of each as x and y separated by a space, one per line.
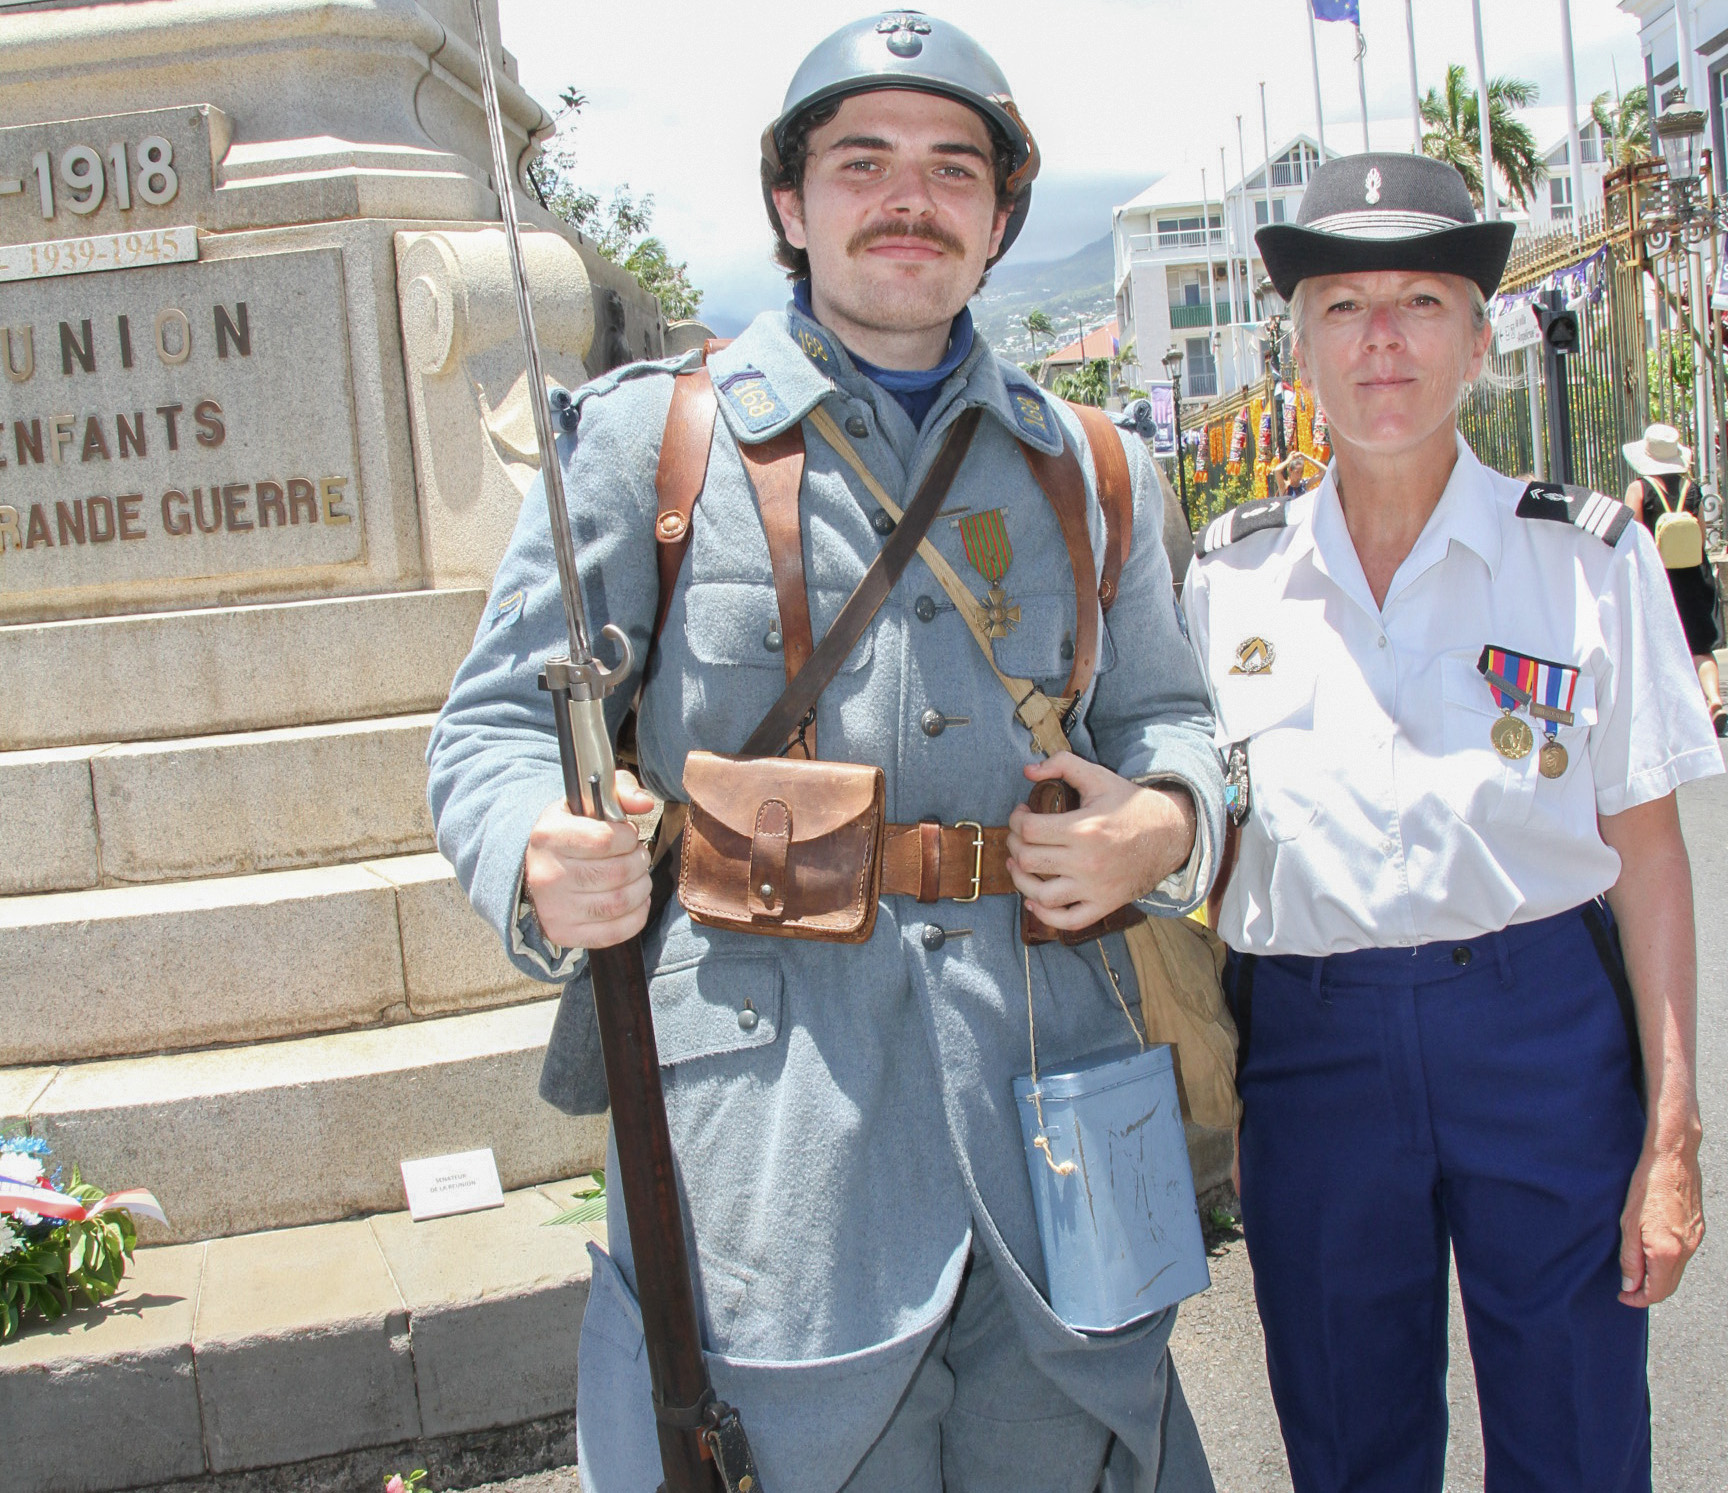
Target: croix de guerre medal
985 536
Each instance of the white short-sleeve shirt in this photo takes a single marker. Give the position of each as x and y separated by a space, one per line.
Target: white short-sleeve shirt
1383 816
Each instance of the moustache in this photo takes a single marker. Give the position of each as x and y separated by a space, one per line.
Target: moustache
930 233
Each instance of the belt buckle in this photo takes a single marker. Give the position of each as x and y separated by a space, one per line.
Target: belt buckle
977 858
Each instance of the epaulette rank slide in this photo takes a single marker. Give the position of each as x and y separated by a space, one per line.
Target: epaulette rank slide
1592 512
1241 521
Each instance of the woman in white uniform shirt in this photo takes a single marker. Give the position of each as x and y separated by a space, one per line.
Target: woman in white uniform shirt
1463 708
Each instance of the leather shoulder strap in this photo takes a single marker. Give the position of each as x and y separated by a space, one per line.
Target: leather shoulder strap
678 482
782 721
1115 495
1065 488
776 469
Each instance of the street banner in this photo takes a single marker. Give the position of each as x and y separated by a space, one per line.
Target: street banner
1163 419
1338 10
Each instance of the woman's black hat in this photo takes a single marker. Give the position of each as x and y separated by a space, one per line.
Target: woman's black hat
1385 212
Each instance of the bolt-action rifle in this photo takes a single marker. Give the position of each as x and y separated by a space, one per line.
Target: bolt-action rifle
703 1448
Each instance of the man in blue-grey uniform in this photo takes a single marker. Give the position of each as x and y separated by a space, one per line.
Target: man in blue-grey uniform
869 1279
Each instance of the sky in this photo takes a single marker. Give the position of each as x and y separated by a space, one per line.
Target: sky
1116 92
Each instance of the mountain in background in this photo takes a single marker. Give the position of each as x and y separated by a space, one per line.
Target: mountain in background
1076 293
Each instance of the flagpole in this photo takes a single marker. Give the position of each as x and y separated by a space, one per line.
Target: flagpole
1211 273
1415 87
1362 83
1314 57
1266 141
1574 144
1230 266
1490 206
1683 51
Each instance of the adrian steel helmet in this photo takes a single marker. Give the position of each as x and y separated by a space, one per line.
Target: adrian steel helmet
906 49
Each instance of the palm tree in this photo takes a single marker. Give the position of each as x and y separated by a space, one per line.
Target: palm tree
1455 133
1625 125
1038 325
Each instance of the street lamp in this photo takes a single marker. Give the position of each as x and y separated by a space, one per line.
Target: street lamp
1173 370
1273 335
1679 206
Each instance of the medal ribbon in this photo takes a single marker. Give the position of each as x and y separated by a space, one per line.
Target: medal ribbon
1552 682
985 536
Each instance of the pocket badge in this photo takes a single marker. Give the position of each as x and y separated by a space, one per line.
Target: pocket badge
1253 656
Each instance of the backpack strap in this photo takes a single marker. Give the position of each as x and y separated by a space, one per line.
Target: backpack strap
1115 495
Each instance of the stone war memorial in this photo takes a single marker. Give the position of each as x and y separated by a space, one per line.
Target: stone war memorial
264 432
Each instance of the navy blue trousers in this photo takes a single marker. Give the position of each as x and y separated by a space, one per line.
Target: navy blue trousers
1401 1105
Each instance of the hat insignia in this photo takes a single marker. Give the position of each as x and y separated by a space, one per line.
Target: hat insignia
1373 185
903 31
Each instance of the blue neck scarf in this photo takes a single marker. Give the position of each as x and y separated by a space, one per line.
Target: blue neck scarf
914 390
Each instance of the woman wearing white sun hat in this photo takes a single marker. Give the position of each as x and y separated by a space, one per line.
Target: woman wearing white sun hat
1668 504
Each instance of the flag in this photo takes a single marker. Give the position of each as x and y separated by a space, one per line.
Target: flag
1338 10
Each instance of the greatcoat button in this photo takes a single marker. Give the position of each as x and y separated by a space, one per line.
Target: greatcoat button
881 522
771 640
934 937
856 428
925 608
747 1019
1067 649
933 722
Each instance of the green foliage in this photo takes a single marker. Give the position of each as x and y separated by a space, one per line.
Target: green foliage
1089 384
43 1275
1672 375
1455 132
620 229
398 1482
1038 325
590 1204
1625 125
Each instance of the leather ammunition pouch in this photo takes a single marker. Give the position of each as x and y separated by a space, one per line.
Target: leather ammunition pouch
783 847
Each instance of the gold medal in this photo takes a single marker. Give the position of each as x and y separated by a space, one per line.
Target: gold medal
1552 760
1511 738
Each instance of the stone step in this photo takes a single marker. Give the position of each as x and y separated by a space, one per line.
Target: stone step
130 970
237 1139
151 675
222 805
279 1348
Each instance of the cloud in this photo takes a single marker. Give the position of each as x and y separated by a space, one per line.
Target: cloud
1116 91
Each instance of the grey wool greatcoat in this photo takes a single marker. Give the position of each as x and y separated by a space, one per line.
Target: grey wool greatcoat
843 1152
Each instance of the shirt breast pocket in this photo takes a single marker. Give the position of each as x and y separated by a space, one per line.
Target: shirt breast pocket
1275 715
1482 785
737 624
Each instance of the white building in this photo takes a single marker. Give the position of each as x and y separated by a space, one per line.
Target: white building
1186 269
1180 247
1706 80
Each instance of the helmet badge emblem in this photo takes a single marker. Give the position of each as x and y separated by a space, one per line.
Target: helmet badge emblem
1373 185
904 31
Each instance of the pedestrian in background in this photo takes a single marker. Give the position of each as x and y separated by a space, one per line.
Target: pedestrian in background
1456 709
1669 504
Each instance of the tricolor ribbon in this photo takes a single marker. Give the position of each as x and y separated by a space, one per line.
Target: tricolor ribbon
45 1202
1545 689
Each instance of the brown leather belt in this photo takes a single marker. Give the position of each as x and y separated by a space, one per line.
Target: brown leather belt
932 862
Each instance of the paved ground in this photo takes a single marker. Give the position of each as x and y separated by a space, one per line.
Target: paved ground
1218 1346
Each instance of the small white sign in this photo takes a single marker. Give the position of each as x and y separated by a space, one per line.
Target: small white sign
105 251
1516 329
438 1186
1719 296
